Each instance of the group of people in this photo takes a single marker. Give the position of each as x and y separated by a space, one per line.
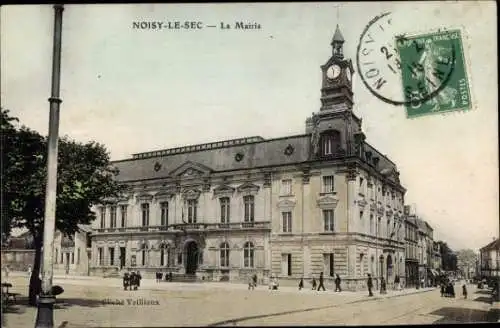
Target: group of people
252 282
321 285
132 280
159 276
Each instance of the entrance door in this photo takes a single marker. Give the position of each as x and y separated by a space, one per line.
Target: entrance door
122 257
389 268
67 262
191 257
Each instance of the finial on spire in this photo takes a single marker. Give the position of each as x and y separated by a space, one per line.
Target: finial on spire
337 43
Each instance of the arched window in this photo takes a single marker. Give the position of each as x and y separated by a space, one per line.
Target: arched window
224 254
248 254
164 254
330 142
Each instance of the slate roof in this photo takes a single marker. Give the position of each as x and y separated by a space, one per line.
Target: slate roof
257 153
494 245
337 36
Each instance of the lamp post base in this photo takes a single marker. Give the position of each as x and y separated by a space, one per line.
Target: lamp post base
45 315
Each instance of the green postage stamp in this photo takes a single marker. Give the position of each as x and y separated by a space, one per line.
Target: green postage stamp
434 73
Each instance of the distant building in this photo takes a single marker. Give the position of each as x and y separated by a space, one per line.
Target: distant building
323 201
490 260
411 249
72 254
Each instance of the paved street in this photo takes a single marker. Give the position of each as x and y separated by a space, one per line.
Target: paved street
181 304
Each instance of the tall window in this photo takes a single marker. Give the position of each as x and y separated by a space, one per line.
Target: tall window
329 142
103 217
57 256
100 256
287 221
78 256
248 254
224 254
143 257
164 213
388 228
328 218
73 257
249 208
224 210
145 214
112 214
286 187
111 256
372 228
192 208
328 184
123 213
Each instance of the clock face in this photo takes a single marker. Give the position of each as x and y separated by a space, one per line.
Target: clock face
333 72
348 74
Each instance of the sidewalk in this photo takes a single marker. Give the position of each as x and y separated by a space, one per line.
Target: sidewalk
151 284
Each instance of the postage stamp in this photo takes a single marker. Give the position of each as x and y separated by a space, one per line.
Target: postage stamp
433 73
426 72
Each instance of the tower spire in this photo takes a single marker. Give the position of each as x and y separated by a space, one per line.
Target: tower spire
337 43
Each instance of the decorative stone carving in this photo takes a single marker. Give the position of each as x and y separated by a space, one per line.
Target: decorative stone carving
206 184
190 169
289 150
165 193
248 188
351 172
362 203
315 136
327 202
144 197
191 194
157 166
267 180
223 191
306 175
285 204
373 207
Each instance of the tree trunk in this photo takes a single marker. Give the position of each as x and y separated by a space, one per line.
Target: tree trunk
35 285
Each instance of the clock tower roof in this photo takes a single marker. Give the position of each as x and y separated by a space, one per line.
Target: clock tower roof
337 36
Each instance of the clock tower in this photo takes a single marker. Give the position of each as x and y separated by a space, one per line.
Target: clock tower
336 91
335 129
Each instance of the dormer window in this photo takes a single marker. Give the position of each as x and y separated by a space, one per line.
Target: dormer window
330 142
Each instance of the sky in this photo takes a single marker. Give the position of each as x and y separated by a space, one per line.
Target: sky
141 90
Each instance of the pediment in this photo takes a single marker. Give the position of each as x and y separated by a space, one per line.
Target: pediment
191 169
191 194
285 203
248 187
327 202
224 190
166 193
145 197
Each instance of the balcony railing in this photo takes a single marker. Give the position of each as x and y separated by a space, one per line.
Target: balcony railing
198 226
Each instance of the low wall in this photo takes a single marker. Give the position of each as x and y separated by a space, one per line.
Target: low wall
18 259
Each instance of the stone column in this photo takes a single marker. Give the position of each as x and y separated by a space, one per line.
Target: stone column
267 217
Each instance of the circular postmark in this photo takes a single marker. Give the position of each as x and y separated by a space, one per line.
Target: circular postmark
404 69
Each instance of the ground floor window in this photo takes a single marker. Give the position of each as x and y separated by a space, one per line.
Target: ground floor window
100 256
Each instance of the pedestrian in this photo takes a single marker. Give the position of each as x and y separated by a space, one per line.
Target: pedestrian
29 270
337 284
442 289
464 291
138 279
250 283
452 290
321 285
370 285
6 272
397 284
383 287
301 283
314 284
126 280
254 280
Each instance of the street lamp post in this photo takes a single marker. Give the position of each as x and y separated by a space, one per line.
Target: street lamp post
46 300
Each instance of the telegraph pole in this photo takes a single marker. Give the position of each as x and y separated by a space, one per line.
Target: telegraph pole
46 300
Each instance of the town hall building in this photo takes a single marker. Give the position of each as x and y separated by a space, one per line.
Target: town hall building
323 201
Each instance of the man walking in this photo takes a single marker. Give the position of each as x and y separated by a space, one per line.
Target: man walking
321 282
370 285
337 284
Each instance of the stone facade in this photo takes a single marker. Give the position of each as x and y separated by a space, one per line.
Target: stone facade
325 201
72 255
